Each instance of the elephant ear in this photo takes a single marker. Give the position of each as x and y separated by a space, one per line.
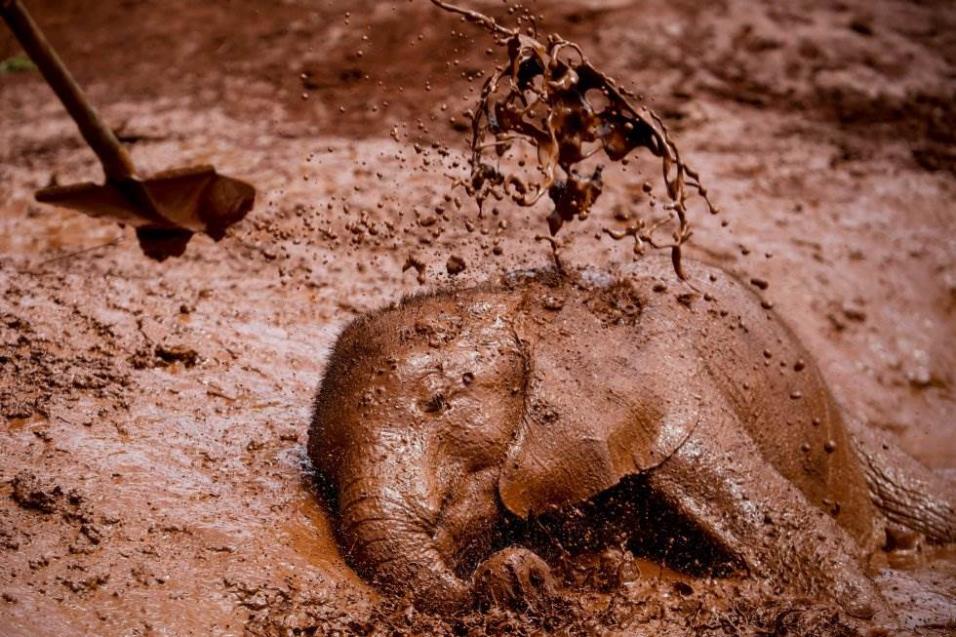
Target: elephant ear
592 416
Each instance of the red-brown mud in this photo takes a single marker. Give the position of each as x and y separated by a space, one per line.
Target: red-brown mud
149 491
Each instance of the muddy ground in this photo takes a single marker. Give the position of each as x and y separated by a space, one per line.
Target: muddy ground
153 417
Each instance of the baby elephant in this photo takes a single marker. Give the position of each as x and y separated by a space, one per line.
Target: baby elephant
447 417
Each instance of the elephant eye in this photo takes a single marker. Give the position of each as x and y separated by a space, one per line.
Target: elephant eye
435 404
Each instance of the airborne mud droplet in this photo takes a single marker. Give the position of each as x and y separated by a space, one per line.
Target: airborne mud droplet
550 100
413 262
456 265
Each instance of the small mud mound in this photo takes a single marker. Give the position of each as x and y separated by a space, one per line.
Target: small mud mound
34 374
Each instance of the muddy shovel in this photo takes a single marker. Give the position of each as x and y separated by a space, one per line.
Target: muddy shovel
166 209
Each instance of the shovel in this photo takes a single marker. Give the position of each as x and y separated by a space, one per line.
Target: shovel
166 209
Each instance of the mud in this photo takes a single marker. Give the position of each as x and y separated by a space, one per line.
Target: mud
823 130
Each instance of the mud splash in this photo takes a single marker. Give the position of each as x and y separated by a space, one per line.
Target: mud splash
550 97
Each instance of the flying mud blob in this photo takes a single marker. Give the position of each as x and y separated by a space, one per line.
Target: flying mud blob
450 419
550 98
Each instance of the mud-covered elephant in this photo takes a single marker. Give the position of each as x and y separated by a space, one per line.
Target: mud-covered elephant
443 418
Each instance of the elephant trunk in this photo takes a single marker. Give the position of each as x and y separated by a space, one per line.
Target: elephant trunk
391 540
906 492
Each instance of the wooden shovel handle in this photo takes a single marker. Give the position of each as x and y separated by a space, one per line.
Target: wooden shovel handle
115 160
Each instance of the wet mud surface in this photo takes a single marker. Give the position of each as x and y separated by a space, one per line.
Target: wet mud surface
154 477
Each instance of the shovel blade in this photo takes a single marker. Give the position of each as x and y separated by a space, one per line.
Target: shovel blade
196 199
200 199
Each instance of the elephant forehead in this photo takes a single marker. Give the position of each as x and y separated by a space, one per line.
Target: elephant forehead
461 378
480 348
